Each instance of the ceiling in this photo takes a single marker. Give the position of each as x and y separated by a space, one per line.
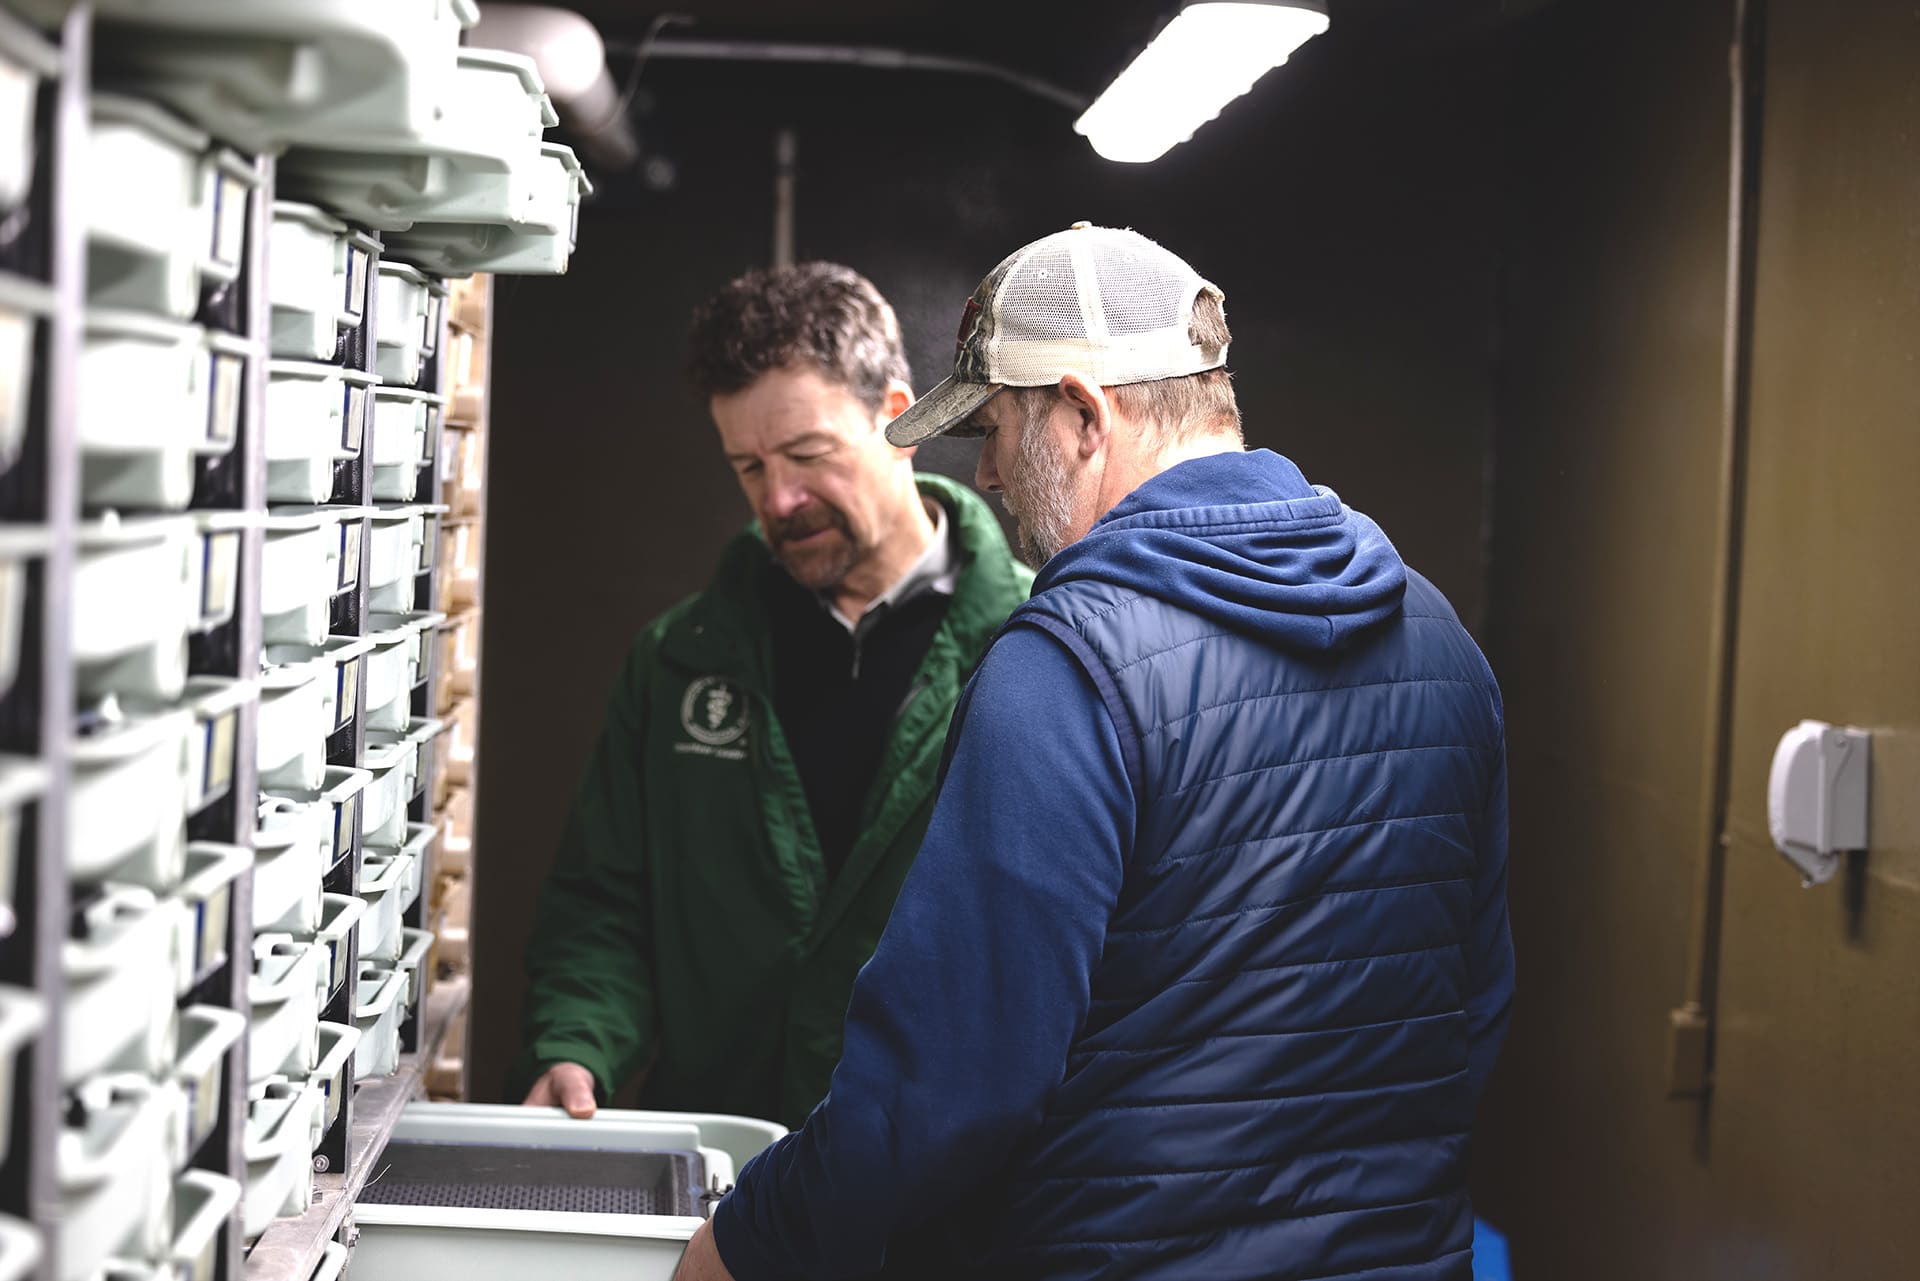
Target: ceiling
1079 44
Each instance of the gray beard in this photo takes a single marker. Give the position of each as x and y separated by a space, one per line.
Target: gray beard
1041 502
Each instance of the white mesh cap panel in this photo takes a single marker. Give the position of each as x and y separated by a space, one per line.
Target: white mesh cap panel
1107 304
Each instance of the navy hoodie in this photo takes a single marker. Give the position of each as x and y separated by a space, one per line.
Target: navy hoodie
1074 1027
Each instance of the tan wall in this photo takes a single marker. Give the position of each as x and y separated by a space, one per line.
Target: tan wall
1806 1161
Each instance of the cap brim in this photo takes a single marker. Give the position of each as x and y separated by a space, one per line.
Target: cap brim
940 410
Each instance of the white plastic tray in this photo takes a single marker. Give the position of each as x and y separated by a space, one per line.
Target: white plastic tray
415 947
116 1190
394 665
406 427
143 409
416 740
20 1249
22 305
203 1203
118 1012
128 810
397 536
338 801
383 880
205 916
296 709
25 60
372 72
420 838
329 1076
133 605
317 280
476 164
384 810
406 298
378 1013
316 416
311 555
22 1015
407 1243
279 1154
141 180
340 916
206 1034
288 863
285 993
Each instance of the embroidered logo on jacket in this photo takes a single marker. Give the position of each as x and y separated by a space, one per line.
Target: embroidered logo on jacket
715 713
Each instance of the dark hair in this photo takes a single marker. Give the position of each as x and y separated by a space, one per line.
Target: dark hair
818 314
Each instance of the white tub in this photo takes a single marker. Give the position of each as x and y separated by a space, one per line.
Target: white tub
476 164
285 994
25 60
394 665
116 1190
557 189
23 303
383 881
213 743
406 308
204 920
422 1243
311 555
118 1012
462 248
340 916
140 176
207 1033
414 854
20 1249
336 804
373 73
203 1203
296 715
406 427
23 781
378 1013
288 864
279 1154
416 947
317 280
143 406
383 812
316 417
22 1015
133 605
329 1075
128 810
397 536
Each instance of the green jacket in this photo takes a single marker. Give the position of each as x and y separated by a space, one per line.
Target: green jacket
688 922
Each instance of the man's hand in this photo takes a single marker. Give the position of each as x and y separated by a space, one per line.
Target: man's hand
701 1262
564 1085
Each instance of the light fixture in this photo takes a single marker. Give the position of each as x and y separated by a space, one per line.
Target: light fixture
1210 54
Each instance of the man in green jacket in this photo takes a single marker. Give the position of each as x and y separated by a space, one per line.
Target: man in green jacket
770 753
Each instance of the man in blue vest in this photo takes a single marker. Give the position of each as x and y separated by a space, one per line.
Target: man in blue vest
1204 961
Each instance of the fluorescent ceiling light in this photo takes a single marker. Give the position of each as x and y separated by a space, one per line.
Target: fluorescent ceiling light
1210 54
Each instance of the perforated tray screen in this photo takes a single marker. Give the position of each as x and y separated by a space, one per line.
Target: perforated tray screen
586 1180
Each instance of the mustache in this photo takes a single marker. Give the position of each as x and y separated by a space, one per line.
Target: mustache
808 522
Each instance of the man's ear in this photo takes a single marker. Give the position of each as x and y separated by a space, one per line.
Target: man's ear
1093 413
898 399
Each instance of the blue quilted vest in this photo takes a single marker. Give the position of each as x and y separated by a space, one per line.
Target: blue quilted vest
1273 1078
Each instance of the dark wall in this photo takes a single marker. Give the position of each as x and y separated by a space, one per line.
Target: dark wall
1801 1162
1598 627
1346 211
